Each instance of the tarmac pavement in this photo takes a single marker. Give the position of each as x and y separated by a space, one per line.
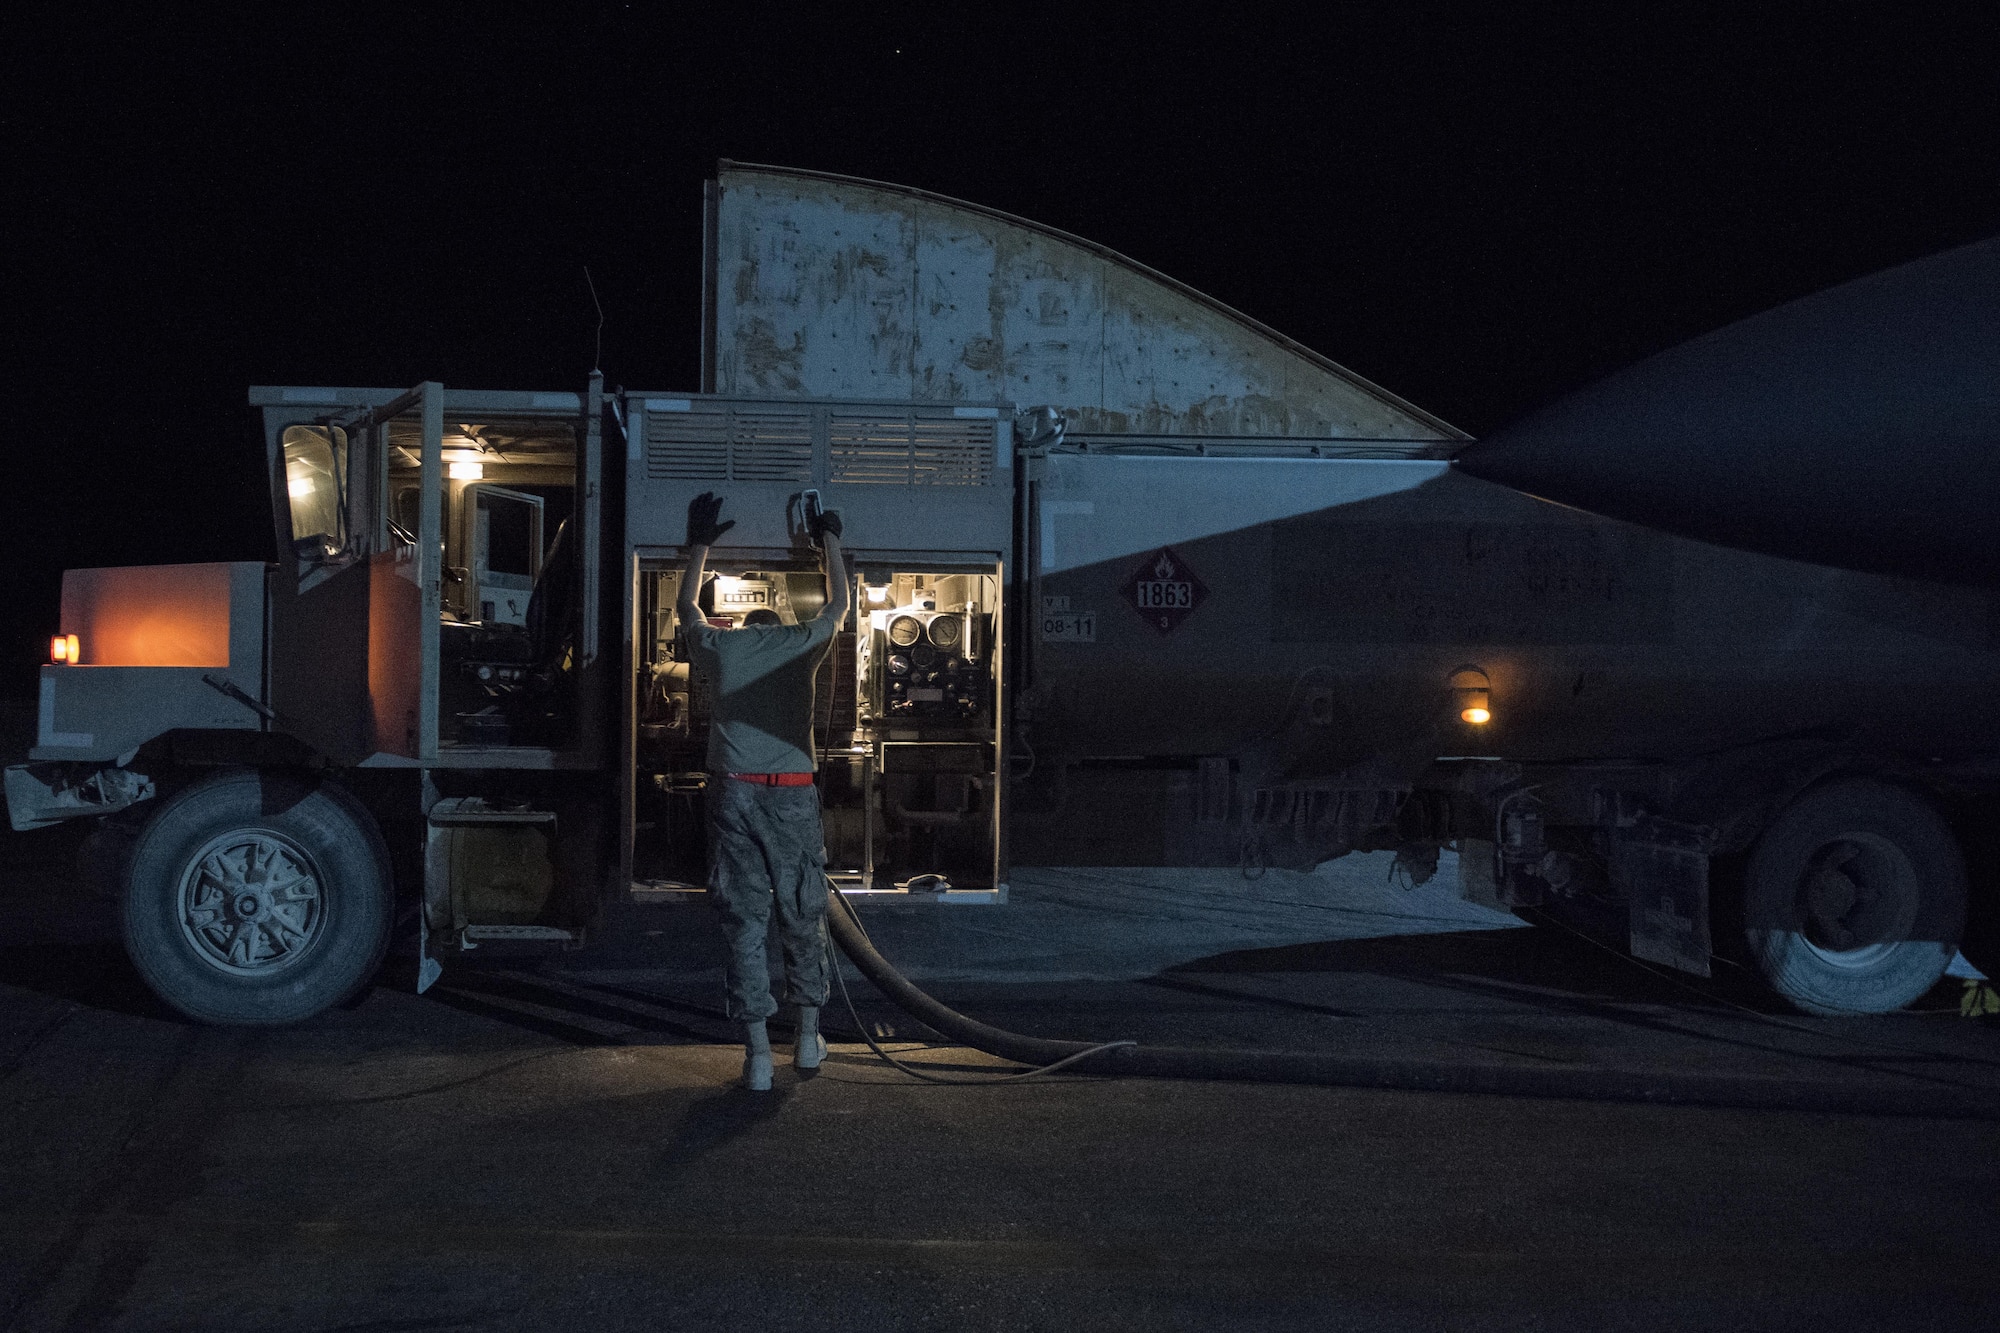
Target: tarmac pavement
555 1142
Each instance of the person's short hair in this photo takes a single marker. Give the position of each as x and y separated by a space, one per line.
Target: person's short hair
762 616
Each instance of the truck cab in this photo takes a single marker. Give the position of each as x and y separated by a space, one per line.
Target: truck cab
431 601
412 694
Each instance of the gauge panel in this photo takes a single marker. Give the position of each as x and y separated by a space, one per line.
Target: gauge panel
928 667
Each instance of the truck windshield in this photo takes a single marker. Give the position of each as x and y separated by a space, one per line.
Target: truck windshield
315 476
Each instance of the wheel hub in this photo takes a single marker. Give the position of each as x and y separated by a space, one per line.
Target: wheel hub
250 902
1859 897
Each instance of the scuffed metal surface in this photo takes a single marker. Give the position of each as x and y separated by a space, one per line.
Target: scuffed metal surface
832 287
39 795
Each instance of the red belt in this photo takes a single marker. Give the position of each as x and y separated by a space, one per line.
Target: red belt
776 779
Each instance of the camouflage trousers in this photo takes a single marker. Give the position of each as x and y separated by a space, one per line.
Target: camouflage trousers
765 847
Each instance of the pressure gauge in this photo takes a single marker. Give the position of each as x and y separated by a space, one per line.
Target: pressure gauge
899 665
946 631
905 630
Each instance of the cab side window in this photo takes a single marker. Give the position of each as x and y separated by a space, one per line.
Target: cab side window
316 463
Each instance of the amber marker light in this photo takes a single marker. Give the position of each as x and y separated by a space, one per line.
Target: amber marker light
65 648
1473 694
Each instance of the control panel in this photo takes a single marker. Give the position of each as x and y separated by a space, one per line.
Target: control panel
926 664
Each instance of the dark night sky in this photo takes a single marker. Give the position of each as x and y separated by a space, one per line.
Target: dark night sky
1476 212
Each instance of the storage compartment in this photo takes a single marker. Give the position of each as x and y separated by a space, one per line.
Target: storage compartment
906 722
488 864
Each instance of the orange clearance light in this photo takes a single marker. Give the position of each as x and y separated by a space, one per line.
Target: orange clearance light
1473 695
65 648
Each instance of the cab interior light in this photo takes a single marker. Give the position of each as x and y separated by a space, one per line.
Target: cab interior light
467 471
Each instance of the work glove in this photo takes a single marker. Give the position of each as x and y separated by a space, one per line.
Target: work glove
703 510
827 521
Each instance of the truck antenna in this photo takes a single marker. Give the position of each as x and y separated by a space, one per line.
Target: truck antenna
597 359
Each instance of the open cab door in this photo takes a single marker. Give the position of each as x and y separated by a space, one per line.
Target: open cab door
356 597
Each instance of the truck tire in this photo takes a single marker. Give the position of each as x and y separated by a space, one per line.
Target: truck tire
258 899
1854 898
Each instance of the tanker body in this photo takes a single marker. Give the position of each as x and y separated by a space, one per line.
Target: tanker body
1138 581
1337 596
1652 708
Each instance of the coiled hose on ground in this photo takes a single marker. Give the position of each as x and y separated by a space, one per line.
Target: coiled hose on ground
1133 1060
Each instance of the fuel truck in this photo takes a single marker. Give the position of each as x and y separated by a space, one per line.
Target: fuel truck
1137 581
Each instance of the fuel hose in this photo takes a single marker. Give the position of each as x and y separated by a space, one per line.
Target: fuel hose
1571 1082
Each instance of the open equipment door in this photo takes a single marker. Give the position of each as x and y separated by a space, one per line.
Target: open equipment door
354 604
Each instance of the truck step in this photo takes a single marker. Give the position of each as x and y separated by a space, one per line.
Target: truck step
473 936
857 888
668 893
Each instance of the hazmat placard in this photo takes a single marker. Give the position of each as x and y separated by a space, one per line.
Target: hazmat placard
1164 590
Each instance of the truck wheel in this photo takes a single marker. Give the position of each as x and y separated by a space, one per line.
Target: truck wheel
1854 898
256 898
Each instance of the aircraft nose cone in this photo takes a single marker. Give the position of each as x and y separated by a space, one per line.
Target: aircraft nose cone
1858 427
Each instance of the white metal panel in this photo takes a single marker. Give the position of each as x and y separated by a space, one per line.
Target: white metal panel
959 358
832 287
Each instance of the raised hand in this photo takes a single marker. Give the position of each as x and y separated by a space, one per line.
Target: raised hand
703 511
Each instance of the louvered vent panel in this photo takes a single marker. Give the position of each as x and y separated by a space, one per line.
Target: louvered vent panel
687 446
906 450
867 449
949 451
771 446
